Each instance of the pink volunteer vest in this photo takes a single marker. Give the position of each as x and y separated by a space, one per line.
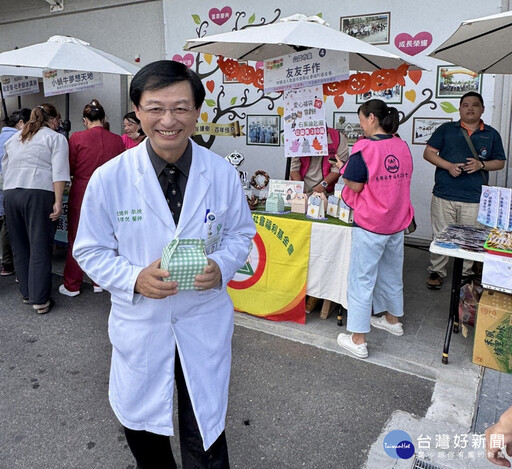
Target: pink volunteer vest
384 205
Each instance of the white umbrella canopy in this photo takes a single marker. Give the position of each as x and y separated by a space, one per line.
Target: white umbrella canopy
290 35
483 45
20 71
67 53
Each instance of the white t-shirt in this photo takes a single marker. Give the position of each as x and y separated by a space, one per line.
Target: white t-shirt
37 163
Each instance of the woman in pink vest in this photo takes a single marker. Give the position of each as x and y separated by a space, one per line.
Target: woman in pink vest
378 180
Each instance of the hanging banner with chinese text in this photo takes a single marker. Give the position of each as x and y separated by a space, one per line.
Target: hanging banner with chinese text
305 129
18 86
306 68
272 284
233 129
68 81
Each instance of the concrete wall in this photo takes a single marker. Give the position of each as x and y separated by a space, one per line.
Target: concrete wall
438 17
122 28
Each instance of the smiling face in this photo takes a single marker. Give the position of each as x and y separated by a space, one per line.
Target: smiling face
168 133
471 110
130 127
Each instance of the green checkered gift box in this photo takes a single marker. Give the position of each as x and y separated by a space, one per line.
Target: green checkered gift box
184 259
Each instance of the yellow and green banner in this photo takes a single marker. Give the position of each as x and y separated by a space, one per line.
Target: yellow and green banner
272 284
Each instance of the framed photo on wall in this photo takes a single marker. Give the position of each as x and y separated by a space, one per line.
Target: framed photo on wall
234 80
263 130
390 96
348 123
454 81
424 127
373 28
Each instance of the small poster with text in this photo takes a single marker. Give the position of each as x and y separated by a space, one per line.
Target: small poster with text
286 188
305 129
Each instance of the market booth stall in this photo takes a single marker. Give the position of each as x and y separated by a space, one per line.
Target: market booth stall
493 248
66 65
483 46
295 255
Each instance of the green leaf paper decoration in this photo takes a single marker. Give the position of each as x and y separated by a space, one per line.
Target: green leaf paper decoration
233 101
197 19
252 18
448 107
210 102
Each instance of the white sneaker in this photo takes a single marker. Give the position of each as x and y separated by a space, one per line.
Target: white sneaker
380 322
97 289
345 341
64 291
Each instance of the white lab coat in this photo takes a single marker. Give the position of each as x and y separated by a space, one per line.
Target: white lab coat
124 225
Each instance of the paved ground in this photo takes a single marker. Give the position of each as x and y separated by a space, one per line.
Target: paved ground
495 397
296 399
292 405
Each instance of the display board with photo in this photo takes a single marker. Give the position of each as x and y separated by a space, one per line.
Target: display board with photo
389 96
373 28
263 130
454 81
287 189
424 127
348 123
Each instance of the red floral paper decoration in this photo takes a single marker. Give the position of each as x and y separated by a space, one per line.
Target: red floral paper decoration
357 83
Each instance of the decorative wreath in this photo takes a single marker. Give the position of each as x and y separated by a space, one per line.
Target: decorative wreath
256 182
253 202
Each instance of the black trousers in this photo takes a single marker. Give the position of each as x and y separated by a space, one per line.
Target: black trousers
152 451
31 233
7 261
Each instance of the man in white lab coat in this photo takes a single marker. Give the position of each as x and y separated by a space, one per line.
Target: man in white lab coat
160 334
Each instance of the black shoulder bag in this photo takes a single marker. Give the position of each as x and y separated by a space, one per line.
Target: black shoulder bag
470 144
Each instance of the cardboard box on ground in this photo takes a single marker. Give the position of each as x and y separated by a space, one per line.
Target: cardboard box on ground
493 332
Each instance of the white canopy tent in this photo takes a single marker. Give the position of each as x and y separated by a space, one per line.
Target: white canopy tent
293 34
483 45
64 53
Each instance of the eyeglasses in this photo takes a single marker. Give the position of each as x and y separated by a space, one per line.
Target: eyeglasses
155 111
